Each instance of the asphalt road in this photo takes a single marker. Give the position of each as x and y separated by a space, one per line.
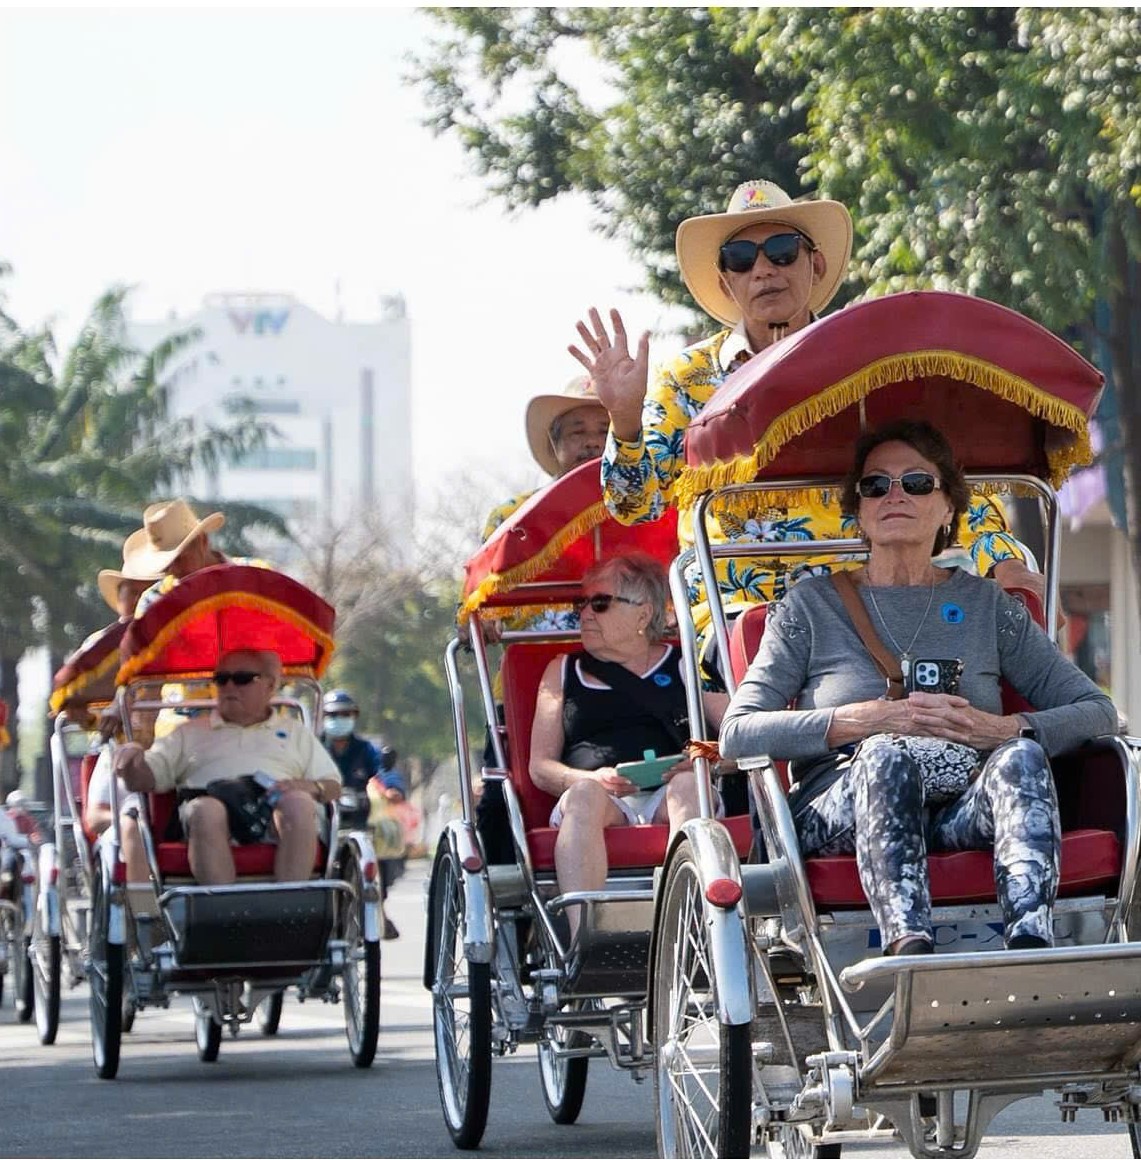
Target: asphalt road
298 1094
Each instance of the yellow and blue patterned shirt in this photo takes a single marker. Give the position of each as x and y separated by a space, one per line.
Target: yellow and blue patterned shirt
638 481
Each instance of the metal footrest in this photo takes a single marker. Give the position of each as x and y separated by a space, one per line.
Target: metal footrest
252 925
611 953
1007 1019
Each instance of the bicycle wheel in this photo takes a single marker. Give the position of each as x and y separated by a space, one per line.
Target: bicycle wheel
360 980
105 977
703 1078
461 1014
23 984
563 1080
269 1013
47 972
207 1033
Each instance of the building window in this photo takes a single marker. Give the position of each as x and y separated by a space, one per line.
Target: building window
279 459
248 406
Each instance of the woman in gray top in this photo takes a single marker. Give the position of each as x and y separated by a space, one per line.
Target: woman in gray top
867 777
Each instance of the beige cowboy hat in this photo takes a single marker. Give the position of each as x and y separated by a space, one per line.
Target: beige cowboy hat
168 527
543 410
109 581
827 223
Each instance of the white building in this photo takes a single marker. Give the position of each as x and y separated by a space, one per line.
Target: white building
337 393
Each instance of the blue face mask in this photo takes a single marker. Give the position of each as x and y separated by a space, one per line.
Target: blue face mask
338 727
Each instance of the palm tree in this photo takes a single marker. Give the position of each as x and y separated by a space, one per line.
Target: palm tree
85 442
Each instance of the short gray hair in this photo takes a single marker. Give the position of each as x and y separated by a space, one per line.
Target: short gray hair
638 576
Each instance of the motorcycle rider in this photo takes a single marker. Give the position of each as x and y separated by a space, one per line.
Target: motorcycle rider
358 760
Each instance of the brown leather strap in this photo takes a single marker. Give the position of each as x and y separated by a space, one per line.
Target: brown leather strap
886 661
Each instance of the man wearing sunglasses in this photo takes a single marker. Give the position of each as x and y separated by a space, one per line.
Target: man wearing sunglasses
764 269
241 737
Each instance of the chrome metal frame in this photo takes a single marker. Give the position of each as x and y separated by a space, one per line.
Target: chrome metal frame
865 1006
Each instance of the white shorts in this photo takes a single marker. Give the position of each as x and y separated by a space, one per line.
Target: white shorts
638 808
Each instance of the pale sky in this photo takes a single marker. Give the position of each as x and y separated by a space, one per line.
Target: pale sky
194 151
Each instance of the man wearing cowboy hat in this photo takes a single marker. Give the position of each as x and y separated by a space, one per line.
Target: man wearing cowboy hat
172 543
562 431
764 269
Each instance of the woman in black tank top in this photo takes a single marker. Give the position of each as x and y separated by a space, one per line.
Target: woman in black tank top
611 703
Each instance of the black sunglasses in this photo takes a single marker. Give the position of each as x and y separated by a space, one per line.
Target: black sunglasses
601 601
740 256
241 677
877 484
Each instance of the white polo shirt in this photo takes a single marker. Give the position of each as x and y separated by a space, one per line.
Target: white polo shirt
207 748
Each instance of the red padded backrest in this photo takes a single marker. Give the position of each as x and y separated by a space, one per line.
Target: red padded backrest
745 638
522 670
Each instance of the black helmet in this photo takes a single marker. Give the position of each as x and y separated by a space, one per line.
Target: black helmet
339 701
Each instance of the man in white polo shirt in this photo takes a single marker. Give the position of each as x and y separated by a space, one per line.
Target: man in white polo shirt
242 736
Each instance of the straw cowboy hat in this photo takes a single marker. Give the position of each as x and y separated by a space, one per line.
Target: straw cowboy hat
543 410
109 581
827 223
168 527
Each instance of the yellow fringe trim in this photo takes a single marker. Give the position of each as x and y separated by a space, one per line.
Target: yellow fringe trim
1062 457
132 665
85 680
536 565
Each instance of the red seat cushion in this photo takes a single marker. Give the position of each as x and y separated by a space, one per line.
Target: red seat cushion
254 859
626 846
174 857
633 847
1091 861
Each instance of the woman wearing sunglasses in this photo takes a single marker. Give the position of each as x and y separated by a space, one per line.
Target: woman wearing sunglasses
945 769
764 269
621 696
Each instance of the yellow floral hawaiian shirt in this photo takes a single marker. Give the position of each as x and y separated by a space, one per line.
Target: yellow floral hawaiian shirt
638 480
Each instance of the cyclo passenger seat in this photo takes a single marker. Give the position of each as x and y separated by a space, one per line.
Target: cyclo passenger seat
627 847
1090 797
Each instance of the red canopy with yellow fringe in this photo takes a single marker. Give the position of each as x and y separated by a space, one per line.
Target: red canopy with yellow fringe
87 677
553 539
1009 395
227 607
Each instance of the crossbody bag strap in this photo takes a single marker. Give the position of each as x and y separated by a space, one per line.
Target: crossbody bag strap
621 680
885 660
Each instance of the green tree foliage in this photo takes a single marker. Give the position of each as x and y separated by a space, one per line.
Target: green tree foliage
994 151
656 114
85 443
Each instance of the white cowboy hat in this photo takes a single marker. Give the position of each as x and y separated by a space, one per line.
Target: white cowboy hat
168 527
543 410
827 223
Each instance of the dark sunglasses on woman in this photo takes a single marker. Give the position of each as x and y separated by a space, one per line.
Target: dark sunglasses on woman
601 601
740 256
876 484
241 677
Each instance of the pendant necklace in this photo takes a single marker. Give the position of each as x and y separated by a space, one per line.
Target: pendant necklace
904 654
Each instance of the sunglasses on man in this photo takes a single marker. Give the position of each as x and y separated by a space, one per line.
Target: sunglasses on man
876 484
240 677
601 601
740 256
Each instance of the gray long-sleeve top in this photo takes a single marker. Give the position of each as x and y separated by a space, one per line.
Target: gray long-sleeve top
812 657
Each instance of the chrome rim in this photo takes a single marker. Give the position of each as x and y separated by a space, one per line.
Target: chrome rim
452 1000
689 1040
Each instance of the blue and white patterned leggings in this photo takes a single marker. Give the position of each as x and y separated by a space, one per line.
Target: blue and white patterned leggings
876 810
